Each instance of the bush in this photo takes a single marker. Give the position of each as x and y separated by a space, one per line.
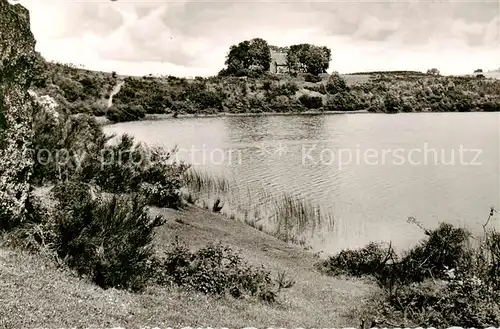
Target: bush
463 301
343 101
70 194
446 247
441 282
312 78
161 180
336 84
108 240
183 107
286 89
317 88
129 167
311 102
369 260
216 269
284 104
490 106
124 113
65 147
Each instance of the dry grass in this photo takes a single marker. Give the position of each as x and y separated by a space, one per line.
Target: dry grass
352 79
35 293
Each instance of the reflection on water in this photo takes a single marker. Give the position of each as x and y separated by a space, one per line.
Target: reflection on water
373 171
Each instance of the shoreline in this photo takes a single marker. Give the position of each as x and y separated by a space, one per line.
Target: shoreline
103 121
166 116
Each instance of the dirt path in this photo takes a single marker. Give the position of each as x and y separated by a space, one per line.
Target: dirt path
116 90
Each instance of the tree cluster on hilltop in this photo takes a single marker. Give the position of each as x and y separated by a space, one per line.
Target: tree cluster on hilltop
253 57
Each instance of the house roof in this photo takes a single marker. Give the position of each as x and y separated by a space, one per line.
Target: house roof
278 57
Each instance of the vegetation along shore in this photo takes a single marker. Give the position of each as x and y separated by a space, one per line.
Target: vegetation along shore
249 85
124 244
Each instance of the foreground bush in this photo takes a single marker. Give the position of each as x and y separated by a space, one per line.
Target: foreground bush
445 248
463 300
443 281
108 240
216 269
129 167
369 260
66 147
75 148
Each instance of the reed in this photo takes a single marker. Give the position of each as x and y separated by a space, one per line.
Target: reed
287 217
200 182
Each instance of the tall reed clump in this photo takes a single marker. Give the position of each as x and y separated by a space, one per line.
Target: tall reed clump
295 217
287 217
450 278
200 182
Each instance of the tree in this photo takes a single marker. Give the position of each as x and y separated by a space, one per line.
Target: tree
433 71
336 84
250 54
308 58
260 53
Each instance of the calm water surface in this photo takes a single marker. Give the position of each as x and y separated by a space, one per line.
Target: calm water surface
372 171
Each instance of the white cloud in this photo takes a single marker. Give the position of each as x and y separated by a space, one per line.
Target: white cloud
192 38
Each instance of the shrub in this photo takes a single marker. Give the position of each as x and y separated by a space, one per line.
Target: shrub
108 240
285 104
446 247
120 165
343 101
123 113
336 84
465 301
130 167
286 89
311 102
70 194
490 106
216 269
312 78
441 282
183 107
65 146
369 260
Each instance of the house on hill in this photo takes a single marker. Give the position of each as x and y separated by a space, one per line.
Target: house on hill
278 60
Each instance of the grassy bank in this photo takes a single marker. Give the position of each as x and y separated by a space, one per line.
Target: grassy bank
36 293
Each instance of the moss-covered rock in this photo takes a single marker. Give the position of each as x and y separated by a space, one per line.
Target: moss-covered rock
17 56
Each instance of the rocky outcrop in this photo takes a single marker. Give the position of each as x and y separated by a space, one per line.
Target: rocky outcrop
17 56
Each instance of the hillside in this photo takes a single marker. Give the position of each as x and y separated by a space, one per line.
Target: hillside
37 294
84 91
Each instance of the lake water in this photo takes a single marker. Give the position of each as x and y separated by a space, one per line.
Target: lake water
372 171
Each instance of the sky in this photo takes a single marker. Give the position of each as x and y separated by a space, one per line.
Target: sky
192 38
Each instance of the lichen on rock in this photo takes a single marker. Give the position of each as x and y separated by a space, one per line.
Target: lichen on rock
17 56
